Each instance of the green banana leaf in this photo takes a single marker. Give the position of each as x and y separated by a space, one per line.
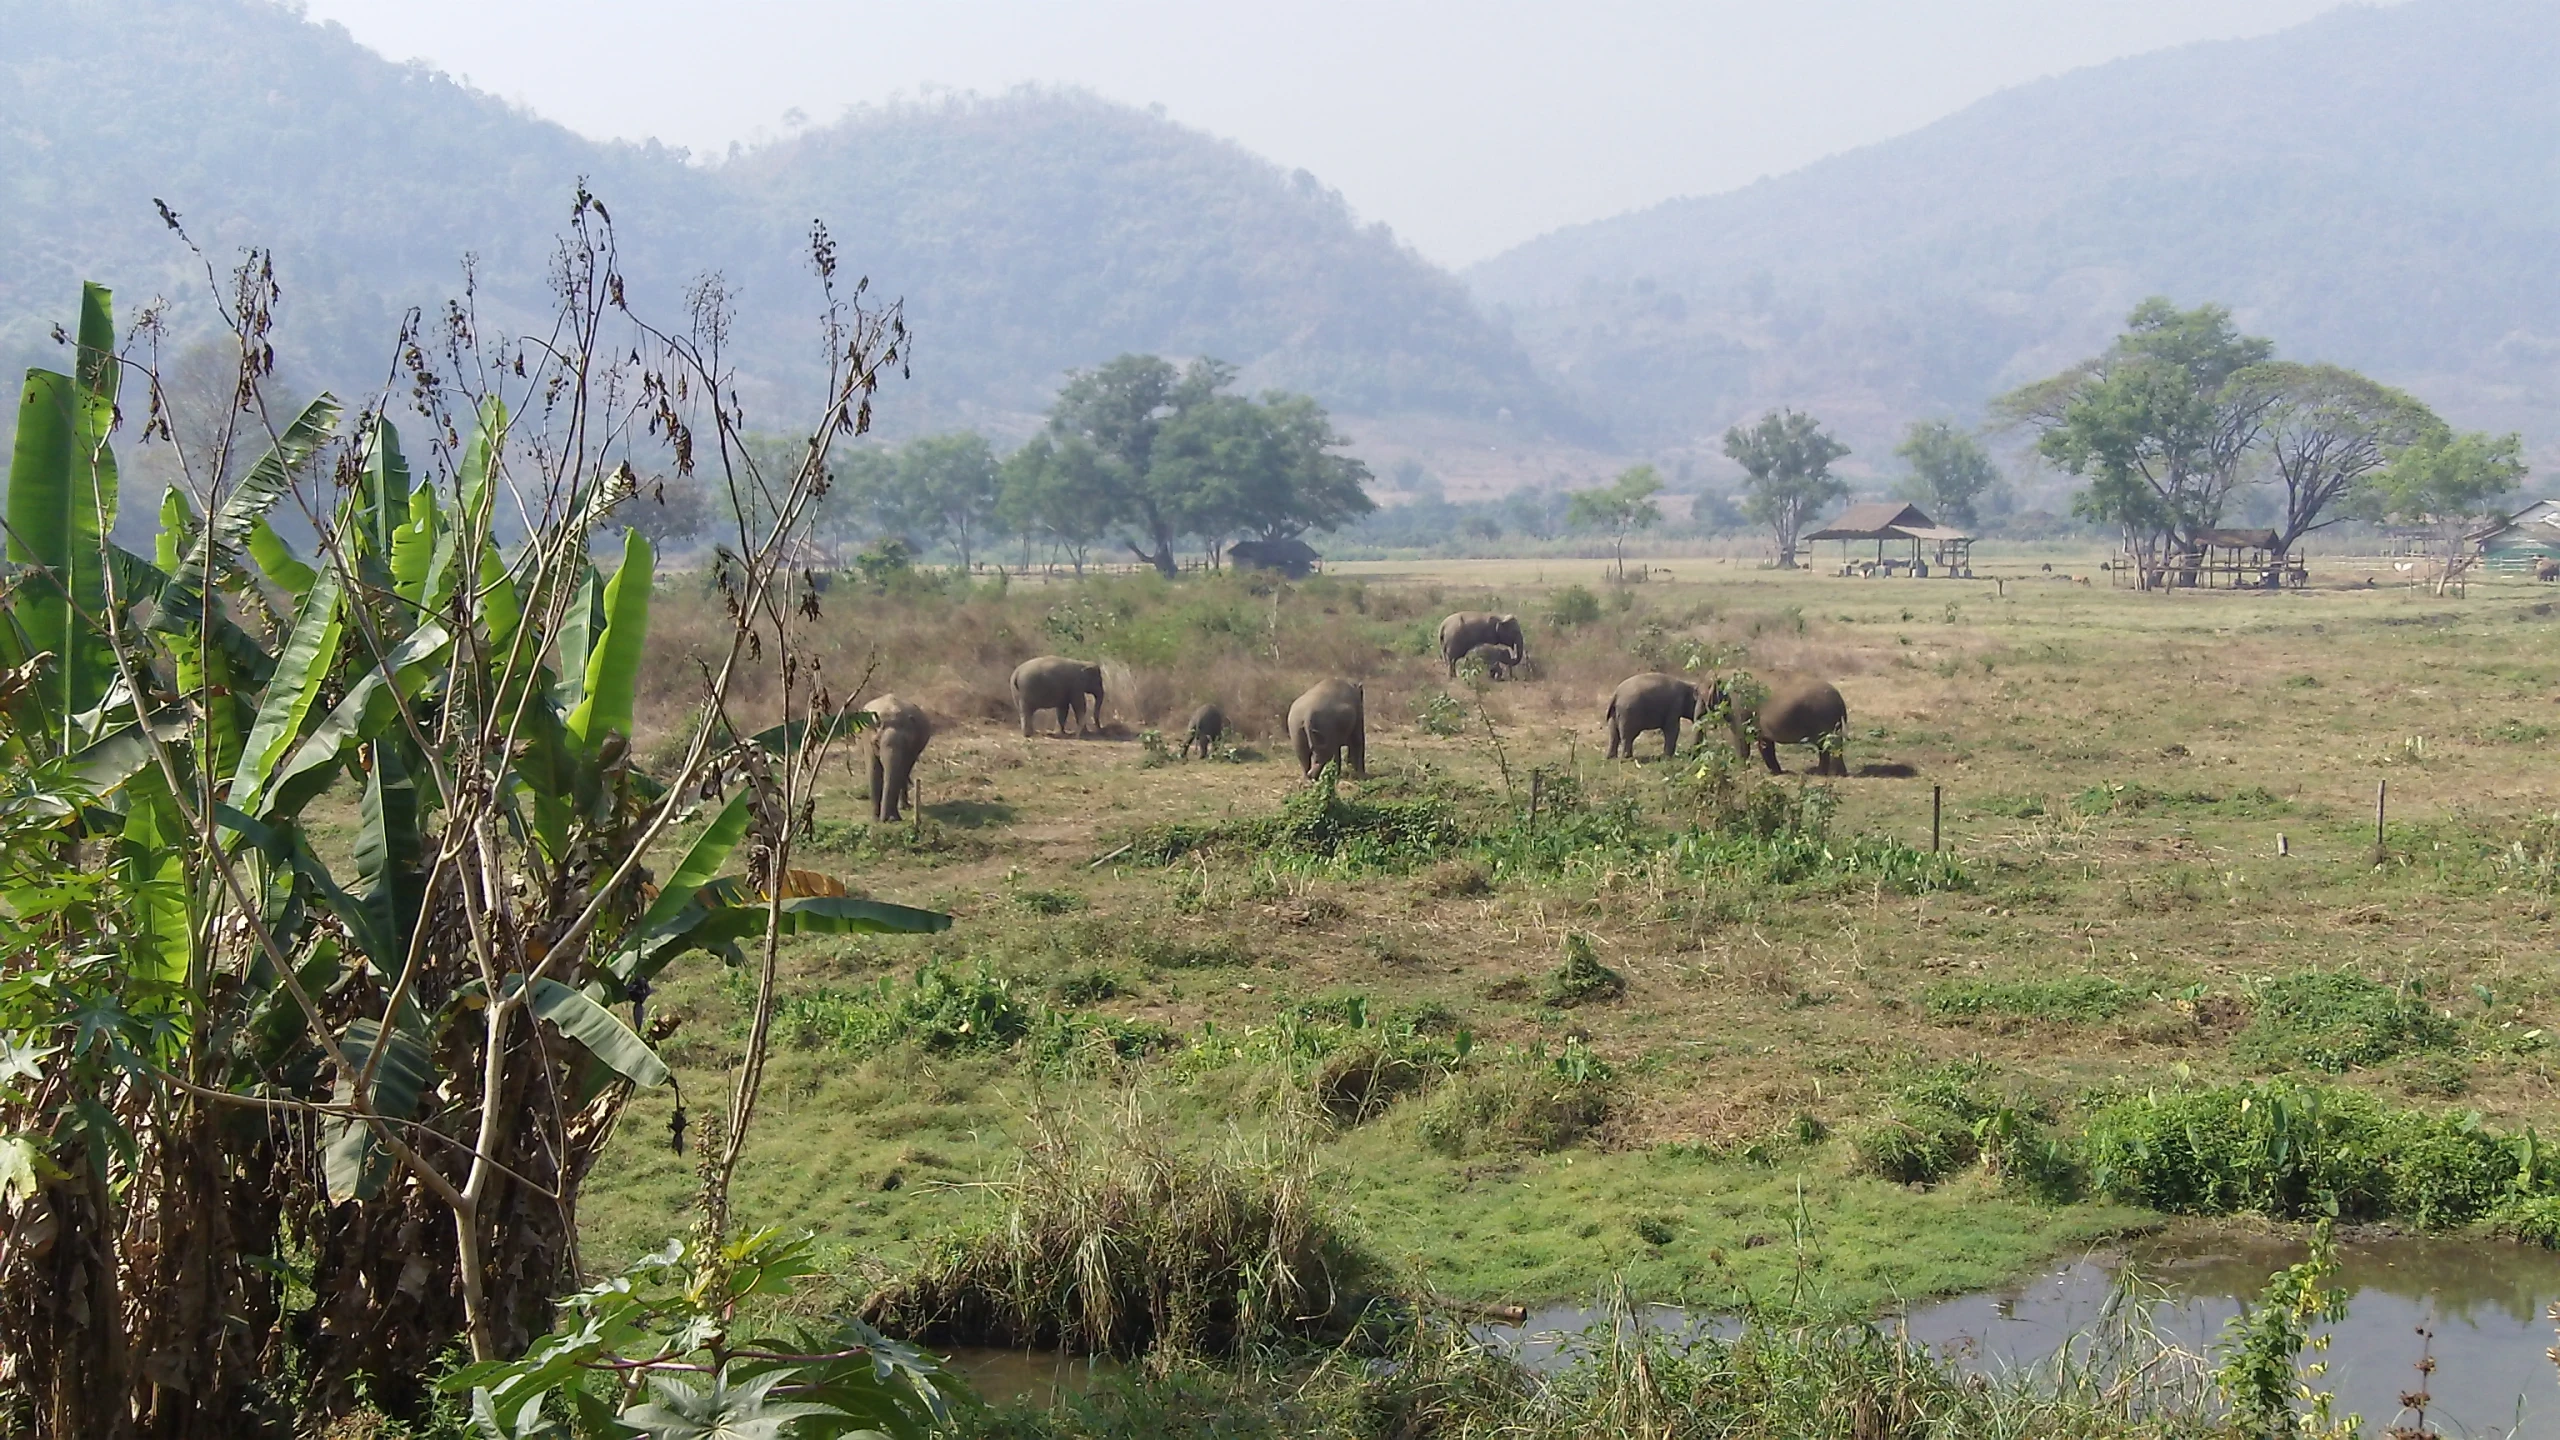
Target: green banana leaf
613 1043
310 654
276 560
61 507
613 670
156 875
352 1161
182 600
389 883
414 546
680 904
370 708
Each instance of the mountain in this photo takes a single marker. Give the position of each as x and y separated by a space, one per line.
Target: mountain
1026 234
2378 188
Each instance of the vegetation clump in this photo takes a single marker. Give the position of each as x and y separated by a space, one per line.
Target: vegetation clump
1582 979
1115 1242
944 1012
2334 1021
1533 1101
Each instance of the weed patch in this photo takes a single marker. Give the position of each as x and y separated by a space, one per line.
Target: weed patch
1582 979
2082 999
1530 1101
2333 1021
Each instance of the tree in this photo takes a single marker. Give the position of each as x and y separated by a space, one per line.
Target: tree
1787 459
1118 410
2450 484
947 488
2158 414
1167 454
1949 470
1054 488
670 510
1619 508
2327 432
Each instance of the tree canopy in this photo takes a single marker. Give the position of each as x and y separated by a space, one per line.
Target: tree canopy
1950 470
1786 459
1618 508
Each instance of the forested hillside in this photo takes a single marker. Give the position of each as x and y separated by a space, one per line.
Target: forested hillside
1027 234
2378 188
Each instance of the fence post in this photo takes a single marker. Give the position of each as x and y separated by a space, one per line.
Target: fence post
1537 783
1937 798
2381 797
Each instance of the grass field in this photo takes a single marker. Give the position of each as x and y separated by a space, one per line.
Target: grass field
2158 811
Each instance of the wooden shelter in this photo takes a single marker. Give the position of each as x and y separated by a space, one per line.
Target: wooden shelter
1896 523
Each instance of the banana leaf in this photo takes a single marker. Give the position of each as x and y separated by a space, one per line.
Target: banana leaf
613 669
352 1161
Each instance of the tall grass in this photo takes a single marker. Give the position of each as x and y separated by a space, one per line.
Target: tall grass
1116 1241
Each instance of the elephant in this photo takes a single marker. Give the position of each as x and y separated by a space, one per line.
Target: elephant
1647 702
1468 629
899 733
1784 708
1207 724
1330 722
1055 683
1497 660
2546 568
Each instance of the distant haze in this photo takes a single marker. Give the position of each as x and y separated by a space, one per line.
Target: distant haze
1467 125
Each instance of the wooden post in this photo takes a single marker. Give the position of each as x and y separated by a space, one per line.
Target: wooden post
2282 849
2381 797
1937 800
1537 783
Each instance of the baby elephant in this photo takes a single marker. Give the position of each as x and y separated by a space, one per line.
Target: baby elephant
1207 724
899 733
1053 682
1648 702
1330 722
1497 660
1784 708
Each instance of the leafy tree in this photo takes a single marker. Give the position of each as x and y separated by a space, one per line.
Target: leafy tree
1787 461
1051 488
670 510
2155 425
1167 454
1619 508
1949 470
946 488
2327 432
1117 410
2451 484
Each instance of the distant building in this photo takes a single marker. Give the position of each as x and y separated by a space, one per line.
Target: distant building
1291 557
2529 537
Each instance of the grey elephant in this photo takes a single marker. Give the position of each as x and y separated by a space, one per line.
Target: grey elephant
1054 682
2546 568
1467 629
1330 722
1497 660
1784 708
1208 723
1648 702
899 733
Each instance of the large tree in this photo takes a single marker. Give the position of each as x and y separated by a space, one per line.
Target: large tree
1619 508
1049 488
2155 425
2452 485
1949 470
1787 461
947 488
2327 432
1168 454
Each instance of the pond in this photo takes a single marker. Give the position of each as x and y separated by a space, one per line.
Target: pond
2484 1301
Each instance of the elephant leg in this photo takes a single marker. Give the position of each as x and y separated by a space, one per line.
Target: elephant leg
1671 738
879 787
1306 753
1062 720
1769 756
1022 706
1360 754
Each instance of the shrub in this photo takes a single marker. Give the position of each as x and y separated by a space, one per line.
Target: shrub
2276 1149
1048 902
1582 979
1533 1102
1572 607
1114 1242
1440 715
2335 1021
2533 1219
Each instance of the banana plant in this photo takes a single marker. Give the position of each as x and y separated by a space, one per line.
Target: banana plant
381 1069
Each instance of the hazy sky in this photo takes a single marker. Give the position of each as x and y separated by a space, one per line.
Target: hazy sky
1469 127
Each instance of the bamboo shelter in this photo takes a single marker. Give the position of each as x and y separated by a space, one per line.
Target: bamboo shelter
1892 522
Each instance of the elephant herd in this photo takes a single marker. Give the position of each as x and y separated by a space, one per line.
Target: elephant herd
1329 722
